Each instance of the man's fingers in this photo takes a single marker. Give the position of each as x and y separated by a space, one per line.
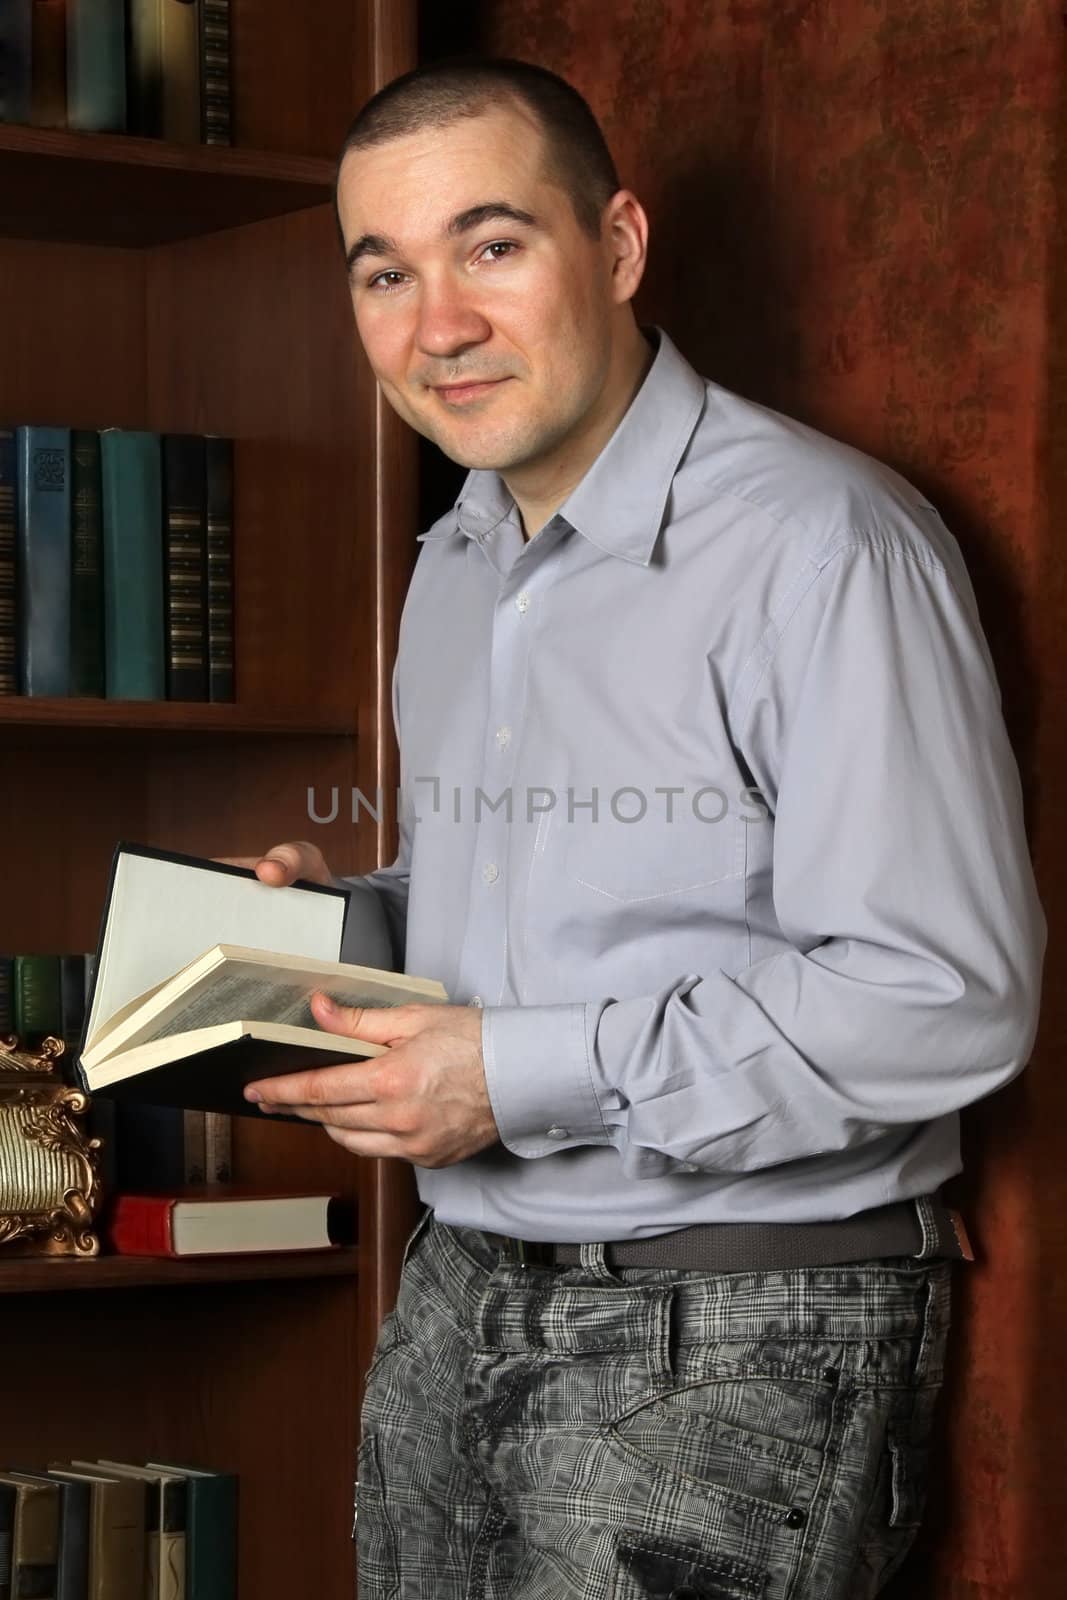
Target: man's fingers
283 864
343 1084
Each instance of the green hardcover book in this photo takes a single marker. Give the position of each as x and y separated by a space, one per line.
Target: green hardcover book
218 455
133 565
96 65
38 998
184 566
87 567
211 1532
42 538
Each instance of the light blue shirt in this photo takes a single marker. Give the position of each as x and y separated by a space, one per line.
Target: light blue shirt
762 917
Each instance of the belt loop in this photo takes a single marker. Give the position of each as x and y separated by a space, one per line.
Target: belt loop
593 1258
931 1236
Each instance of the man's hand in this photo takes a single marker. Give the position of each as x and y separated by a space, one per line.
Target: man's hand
284 863
424 1099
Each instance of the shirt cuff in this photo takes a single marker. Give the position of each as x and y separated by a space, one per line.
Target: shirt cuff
539 1077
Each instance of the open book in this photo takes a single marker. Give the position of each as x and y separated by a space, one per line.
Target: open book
204 977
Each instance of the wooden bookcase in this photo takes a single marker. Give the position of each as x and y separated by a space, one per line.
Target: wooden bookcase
174 288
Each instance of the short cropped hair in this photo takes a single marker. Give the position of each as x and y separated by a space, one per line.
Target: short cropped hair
577 158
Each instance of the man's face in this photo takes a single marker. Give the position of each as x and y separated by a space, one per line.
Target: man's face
524 304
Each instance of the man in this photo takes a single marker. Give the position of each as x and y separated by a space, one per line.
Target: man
712 831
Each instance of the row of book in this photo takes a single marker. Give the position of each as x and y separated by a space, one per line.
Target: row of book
142 1146
112 1530
158 68
116 564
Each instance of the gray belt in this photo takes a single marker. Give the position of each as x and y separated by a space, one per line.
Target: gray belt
924 1228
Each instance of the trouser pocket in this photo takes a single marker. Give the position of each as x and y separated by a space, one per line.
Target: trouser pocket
376 1545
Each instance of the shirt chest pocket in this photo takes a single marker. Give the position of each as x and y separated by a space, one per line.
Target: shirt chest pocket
629 855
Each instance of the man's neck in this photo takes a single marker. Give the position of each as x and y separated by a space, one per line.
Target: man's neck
538 499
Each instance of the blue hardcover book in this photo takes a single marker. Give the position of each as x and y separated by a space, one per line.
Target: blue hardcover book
133 565
96 65
72 1567
43 559
16 56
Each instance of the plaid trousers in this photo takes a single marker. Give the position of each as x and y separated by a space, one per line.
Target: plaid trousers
646 1433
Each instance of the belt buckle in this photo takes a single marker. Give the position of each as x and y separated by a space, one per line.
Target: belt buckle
526 1252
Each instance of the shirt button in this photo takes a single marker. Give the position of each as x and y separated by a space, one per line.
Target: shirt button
490 872
503 737
522 603
559 1133
475 1000
688 1166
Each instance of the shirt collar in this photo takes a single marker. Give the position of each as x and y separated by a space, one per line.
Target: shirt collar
620 503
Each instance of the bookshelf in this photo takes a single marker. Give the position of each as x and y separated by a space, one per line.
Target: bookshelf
201 290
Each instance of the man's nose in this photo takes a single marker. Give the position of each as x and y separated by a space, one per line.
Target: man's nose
449 323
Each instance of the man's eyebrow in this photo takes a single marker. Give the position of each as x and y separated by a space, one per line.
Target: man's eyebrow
379 244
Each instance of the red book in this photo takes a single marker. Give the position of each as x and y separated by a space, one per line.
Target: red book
223 1221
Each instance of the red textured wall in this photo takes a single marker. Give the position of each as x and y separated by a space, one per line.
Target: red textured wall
853 218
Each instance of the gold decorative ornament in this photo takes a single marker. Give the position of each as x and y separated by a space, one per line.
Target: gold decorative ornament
49 1169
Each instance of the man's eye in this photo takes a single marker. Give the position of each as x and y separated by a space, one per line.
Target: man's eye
375 281
378 283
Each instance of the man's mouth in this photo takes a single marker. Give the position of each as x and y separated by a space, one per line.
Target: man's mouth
454 393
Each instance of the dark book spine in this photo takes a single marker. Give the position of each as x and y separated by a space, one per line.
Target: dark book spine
49 103
96 65
220 586
7 995
218 1147
16 60
72 1009
215 125
8 617
72 1573
158 1147
43 559
144 67
184 567
212 1547
133 565
38 1003
181 71
103 1112
8 1500
87 567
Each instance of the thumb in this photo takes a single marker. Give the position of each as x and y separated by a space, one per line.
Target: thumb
375 1024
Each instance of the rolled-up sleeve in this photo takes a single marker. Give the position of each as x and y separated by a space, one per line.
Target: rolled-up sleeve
909 979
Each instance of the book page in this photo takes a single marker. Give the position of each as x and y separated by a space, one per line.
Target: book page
163 914
244 994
